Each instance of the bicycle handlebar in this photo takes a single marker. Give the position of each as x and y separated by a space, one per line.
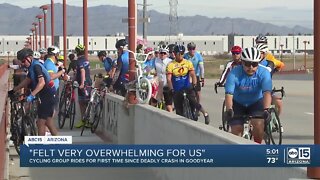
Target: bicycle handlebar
283 93
216 87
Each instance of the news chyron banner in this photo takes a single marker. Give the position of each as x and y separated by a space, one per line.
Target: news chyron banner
71 155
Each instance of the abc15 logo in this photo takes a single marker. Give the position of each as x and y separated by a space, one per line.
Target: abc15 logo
299 153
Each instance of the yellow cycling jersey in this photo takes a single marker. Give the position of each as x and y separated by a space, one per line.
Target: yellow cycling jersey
180 74
278 64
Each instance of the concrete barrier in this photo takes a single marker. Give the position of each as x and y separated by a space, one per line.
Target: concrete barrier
143 124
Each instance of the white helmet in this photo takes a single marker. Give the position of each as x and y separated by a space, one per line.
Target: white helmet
36 55
53 50
251 54
262 47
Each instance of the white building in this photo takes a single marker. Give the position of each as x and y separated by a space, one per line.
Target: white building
208 45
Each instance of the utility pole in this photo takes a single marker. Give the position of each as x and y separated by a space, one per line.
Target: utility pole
173 17
145 19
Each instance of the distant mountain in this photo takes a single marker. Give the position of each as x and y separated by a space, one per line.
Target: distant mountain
107 20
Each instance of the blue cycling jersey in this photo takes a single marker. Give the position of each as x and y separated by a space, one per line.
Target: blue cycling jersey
108 63
83 63
124 58
196 61
245 89
52 68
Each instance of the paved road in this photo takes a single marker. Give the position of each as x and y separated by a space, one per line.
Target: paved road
297 117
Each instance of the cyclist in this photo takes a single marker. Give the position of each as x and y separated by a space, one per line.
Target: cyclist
72 64
178 73
261 39
84 80
109 66
53 70
121 75
236 60
248 92
263 48
160 66
149 71
42 86
197 61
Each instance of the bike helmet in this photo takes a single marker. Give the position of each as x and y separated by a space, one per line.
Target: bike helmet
121 43
262 47
23 53
179 49
164 49
42 50
236 49
61 58
102 53
148 49
250 54
261 39
36 55
79 48
53 50
191 45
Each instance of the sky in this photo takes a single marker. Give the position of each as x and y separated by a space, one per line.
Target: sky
279 12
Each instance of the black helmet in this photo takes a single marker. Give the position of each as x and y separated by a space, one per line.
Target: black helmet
171 47
121 43
179 49
191 45
23 53
102 53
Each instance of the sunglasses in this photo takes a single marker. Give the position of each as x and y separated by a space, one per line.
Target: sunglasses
191 49
235 53
163 53
249 64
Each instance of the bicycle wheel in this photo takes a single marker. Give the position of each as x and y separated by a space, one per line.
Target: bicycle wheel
225 124
62 110
143 91
86 117
29 128
72 113
275 128
97 116
187 109
17 135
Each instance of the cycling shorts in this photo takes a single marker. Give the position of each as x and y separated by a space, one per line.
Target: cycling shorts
255 109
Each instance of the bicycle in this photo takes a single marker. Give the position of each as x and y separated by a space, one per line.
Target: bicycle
141 85
21 121
67 104
225 126
94 110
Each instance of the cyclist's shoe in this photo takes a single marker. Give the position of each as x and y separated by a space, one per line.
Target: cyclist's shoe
80 124
206 119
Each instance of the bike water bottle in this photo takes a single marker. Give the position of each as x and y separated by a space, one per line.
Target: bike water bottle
86 92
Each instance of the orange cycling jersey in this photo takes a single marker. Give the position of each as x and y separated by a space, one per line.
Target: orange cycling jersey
278 64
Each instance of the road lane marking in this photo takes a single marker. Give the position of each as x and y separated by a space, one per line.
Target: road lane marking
309 113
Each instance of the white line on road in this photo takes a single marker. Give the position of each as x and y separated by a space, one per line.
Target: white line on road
309 113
